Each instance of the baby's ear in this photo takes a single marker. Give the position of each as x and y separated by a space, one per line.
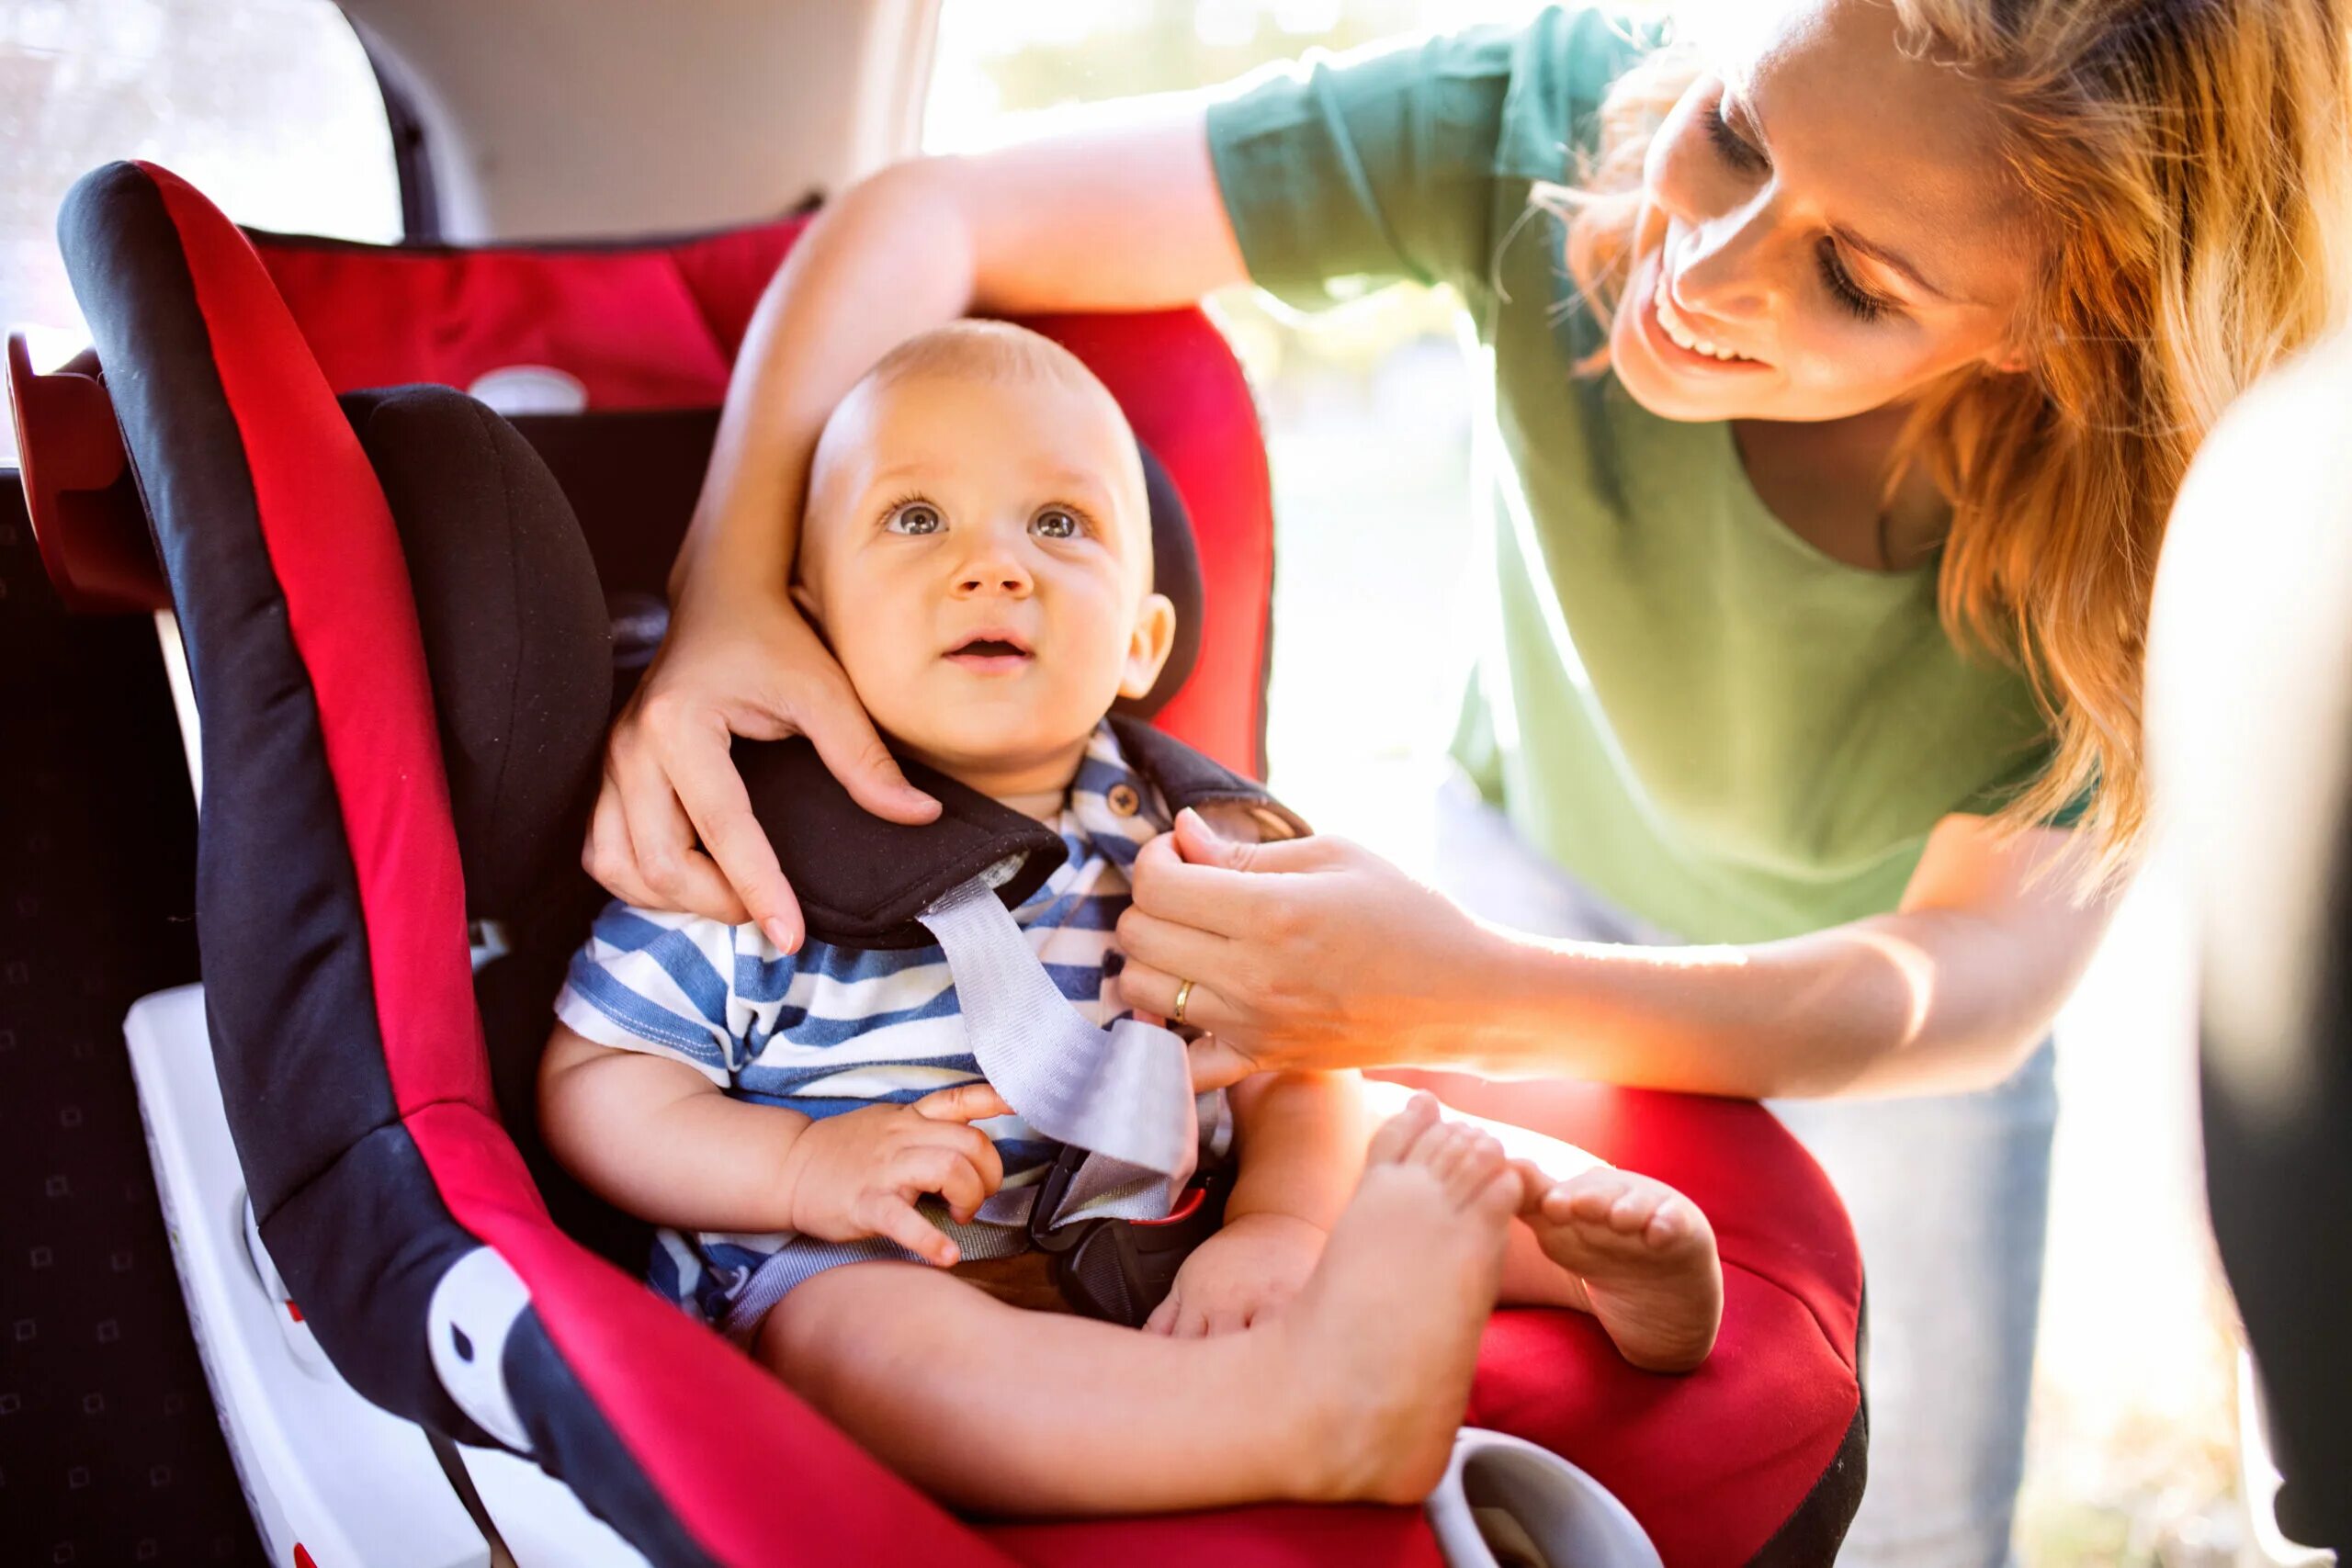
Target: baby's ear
1154 635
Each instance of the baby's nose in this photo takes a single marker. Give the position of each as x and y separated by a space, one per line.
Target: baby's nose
995 580
993 568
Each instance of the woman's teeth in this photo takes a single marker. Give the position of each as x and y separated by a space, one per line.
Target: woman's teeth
1681 336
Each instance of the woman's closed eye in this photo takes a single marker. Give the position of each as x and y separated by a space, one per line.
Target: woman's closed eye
1837 278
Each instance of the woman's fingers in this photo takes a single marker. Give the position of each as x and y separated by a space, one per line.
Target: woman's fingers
1201 844
672 872
607 856
701 769
1147 989
853 753
1197 877
1211 899
1216 1063
1180 950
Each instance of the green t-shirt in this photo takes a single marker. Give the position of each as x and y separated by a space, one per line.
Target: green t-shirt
1701 716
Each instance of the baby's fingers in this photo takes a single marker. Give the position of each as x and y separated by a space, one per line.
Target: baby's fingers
947 1172
893 1218
965 1102
1162 1320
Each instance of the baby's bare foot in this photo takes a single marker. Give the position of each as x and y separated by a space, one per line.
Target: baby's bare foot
1646 1257
1383 1338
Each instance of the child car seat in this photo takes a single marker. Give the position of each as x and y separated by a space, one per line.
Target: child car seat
429 1272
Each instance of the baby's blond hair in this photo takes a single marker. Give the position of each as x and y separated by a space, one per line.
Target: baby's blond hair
983 351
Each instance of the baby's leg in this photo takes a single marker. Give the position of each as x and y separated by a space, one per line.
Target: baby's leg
1625 1247
1352 1393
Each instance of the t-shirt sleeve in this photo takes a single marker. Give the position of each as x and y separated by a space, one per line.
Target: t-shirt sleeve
1342 173
661 983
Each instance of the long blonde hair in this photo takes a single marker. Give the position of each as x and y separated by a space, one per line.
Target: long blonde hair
2191 162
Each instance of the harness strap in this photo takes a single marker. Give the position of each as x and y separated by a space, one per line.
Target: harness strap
1125 1093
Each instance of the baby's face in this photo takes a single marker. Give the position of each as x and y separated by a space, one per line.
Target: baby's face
978 555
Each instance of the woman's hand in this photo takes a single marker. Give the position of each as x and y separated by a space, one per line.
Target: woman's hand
674 827
1310 953
859 1174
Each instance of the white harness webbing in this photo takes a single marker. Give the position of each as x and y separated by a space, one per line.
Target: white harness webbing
1124 1093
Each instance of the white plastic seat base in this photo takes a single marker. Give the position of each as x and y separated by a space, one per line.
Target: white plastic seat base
322 1469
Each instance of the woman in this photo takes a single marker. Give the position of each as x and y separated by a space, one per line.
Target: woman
1842 374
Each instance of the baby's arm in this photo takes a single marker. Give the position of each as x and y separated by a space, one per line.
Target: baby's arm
1299 1141
658 1138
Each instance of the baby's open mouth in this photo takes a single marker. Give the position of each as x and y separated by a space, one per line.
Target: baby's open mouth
990 653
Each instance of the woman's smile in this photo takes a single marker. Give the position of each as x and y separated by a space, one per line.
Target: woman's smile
1679 347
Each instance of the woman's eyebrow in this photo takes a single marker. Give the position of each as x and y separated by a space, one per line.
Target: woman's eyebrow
1885 255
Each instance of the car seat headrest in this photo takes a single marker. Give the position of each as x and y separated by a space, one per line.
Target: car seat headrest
484 524
1176 572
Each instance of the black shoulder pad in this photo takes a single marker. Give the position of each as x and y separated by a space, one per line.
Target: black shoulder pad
862 880
1184 778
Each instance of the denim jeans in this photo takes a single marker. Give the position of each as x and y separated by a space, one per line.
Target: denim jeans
1950 1196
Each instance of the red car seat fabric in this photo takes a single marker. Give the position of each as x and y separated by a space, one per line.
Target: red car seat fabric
332 910
332 918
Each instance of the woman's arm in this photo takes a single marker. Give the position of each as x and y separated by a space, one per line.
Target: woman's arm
1316 954
1123 214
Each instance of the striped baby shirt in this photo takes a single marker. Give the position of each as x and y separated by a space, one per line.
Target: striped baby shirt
830 1029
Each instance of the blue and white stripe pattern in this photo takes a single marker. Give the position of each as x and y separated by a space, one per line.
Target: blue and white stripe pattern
831 1029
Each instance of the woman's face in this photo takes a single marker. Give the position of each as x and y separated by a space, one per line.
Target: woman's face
1825 229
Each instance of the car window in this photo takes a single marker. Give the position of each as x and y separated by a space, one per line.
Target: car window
270 107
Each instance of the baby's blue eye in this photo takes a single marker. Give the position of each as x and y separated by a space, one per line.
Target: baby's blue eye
915 517
1056 522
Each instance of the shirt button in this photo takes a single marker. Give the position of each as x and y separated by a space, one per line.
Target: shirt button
1122 800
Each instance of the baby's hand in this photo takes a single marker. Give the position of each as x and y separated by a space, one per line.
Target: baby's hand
1246 1272
858 1174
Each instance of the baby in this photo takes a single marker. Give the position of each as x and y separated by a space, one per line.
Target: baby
976 552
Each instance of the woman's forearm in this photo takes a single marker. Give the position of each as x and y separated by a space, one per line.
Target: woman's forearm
1924 1001
879 265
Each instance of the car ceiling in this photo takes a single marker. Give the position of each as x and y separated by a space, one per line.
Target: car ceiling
560 119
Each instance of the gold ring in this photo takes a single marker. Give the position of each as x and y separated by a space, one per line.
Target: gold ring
1183 994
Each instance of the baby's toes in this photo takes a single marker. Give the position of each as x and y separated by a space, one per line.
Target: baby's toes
1444 1149
1481 1162
1590 1197
1396 1137
1503 1194
1630 1214
1671 1222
